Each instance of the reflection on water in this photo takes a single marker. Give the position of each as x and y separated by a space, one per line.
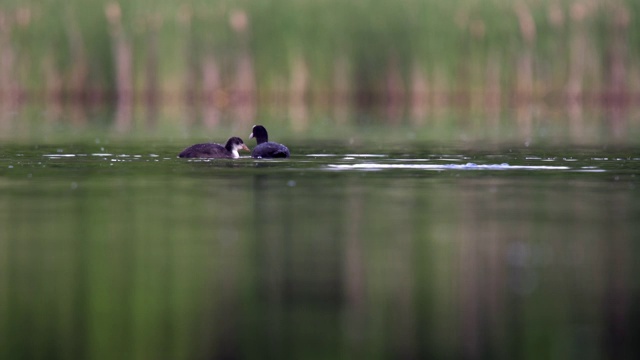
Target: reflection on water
124 251
531 125
376 244
467 166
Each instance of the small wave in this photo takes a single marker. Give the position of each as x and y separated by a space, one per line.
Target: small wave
366 155
57 156
322 155
467 166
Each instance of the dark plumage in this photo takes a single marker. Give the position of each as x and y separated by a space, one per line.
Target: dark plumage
210 150
266 149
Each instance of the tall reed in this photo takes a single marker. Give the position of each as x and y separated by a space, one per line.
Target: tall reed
369 51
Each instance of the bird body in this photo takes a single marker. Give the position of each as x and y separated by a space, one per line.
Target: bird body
212 150
266 149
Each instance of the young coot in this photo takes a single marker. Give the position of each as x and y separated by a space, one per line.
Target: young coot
266 149
209 150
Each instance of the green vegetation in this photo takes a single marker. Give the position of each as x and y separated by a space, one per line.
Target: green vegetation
368 49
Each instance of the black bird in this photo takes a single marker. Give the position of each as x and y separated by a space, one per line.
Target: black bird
210 150
266 149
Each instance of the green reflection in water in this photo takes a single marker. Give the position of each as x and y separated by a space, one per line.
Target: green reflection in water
114 248
151 257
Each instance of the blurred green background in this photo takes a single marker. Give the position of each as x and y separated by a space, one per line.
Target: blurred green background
361 52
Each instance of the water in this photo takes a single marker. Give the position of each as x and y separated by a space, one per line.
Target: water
121 250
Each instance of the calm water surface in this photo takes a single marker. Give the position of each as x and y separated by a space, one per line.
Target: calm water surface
124 251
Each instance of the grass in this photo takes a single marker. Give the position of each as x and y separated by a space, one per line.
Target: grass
71 46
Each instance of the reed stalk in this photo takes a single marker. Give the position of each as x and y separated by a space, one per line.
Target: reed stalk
415 52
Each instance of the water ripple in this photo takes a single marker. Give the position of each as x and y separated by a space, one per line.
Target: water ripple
467 166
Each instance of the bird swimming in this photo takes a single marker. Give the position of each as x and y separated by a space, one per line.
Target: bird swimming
212 150
265 148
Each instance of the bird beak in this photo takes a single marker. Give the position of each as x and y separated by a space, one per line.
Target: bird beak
251 136
244 147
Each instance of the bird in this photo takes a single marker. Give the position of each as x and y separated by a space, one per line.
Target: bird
265 148
211 150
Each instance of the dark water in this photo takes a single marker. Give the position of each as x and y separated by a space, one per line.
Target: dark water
121 250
